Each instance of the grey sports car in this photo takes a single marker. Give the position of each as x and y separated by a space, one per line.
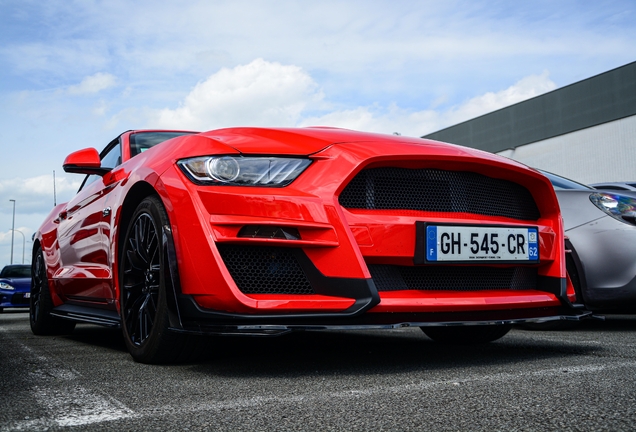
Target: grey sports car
600 229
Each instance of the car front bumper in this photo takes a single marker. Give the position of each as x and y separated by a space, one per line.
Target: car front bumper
606 252
13 299
337 246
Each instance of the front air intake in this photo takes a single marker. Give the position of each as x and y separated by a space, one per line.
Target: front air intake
452 278
265 269
435 190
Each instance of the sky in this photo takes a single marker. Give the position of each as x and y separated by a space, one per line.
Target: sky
75 74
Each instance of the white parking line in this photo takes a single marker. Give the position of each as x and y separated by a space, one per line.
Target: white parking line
69 404
77 406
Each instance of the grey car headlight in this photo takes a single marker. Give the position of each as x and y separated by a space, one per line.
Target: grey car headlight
6 286
619 207
243 171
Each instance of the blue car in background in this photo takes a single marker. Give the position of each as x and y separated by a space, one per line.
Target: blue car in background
15 286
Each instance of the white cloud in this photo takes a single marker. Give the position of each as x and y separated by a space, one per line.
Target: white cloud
259 93
417 123
523 89
378 119
263 93
148 38
57 60
93 84
5 236
35 194
100 108
22 245
34 200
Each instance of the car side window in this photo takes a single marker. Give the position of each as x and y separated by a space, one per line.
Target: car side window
112 158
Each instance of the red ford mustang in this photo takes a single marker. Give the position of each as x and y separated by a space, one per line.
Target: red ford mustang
265 231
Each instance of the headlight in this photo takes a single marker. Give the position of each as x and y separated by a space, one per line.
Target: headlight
243 171
6 286
617 206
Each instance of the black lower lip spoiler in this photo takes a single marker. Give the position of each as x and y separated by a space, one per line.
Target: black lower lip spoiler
200 321
281 329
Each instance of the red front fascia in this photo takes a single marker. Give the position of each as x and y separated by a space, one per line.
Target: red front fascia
341 242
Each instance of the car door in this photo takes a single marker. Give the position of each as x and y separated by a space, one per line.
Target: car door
84 228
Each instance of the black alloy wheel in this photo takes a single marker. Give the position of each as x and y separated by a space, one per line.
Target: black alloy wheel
141 279
37 275
143 304
41 303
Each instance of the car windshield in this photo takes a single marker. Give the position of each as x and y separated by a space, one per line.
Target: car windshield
22 271
142 141
562 183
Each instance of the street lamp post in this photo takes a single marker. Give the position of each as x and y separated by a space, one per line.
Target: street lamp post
23 244
12 229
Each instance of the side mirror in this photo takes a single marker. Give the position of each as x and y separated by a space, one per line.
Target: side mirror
84 161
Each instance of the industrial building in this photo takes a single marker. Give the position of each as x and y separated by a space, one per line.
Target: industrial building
585 131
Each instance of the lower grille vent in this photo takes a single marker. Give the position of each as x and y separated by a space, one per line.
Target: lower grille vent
452 278
265 270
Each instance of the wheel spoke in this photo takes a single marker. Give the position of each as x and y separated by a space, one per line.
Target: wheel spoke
152 251
136 262
133 322
136 286
152 304
131 293
133 330
145 319
139 238
136 303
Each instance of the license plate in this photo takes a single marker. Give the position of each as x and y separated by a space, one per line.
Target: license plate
481 244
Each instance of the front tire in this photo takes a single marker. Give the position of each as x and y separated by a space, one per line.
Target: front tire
143 303
41 303
466 335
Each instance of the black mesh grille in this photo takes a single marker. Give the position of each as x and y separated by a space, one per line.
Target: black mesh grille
18 299
438 191
452 278
265 270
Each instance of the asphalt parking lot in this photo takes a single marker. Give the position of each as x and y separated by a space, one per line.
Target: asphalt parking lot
581 379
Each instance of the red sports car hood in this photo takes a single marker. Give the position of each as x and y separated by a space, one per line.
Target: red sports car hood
281 141
306 141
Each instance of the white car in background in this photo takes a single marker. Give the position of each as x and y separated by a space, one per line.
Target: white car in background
600 229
